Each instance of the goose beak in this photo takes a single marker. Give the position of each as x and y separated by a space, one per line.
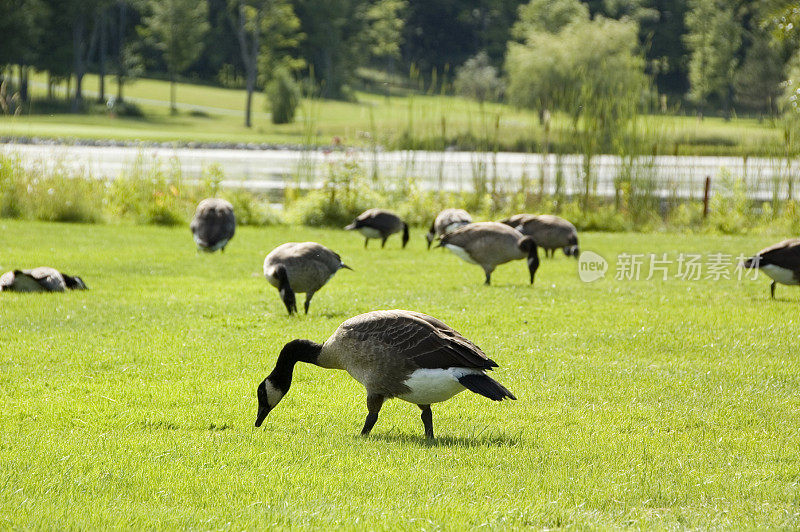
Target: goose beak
533 265
262 415
350 227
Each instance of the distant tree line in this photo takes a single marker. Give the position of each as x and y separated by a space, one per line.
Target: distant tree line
545 54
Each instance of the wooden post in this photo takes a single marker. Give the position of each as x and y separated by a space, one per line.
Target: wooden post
706 196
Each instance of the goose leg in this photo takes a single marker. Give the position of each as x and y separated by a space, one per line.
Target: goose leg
427 420
488 277
309 295
383 242
374 404
366 241
772 289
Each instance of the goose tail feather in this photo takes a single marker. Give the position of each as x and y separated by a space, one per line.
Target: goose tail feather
485 386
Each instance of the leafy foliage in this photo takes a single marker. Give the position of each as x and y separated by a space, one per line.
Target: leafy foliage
478 79
284 96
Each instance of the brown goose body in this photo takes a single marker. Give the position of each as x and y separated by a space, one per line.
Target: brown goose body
489 244
213 224
41 279
379 223
393 354
447 221
550 232
300 267
780 262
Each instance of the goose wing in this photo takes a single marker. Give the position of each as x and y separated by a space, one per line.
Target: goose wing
418 338
48 278
785 254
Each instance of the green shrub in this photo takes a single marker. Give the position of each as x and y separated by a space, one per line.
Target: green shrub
251 209
283 94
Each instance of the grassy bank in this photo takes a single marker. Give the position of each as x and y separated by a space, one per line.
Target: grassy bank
423 120
641 403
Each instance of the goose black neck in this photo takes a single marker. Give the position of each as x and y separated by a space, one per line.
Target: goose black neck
292 353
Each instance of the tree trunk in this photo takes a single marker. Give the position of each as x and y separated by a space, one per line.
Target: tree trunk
121 49
23 83
77 61
101 90
172 107
251 82
249 56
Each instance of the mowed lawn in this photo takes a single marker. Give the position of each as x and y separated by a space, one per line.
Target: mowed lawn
640 403
371 118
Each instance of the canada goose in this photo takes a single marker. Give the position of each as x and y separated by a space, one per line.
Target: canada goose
550 232
378 223
213 224
489 244
42 279
393 353
300 267
447 221
781 262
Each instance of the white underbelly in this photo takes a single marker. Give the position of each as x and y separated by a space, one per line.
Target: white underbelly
434 385
460 252
219 245
370 232
782 275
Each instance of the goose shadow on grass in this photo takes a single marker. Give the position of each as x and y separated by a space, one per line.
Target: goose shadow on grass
482 440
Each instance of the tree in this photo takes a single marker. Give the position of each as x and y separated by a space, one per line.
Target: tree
247 23
477 79
590 70
385 30
757 81
85 15
713 38
334 44
21 24
549 16
176 28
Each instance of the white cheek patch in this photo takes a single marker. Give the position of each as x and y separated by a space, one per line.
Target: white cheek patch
274 395
460 252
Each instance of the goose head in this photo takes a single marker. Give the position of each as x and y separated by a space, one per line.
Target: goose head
276 385
75 283
528 245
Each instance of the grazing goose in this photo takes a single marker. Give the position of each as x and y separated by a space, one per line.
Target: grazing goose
300 267
213 224
378 223
781 262
447 221
489 244
393 353
42 279
550 232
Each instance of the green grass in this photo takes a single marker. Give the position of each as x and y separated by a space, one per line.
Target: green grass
641 404
409 120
